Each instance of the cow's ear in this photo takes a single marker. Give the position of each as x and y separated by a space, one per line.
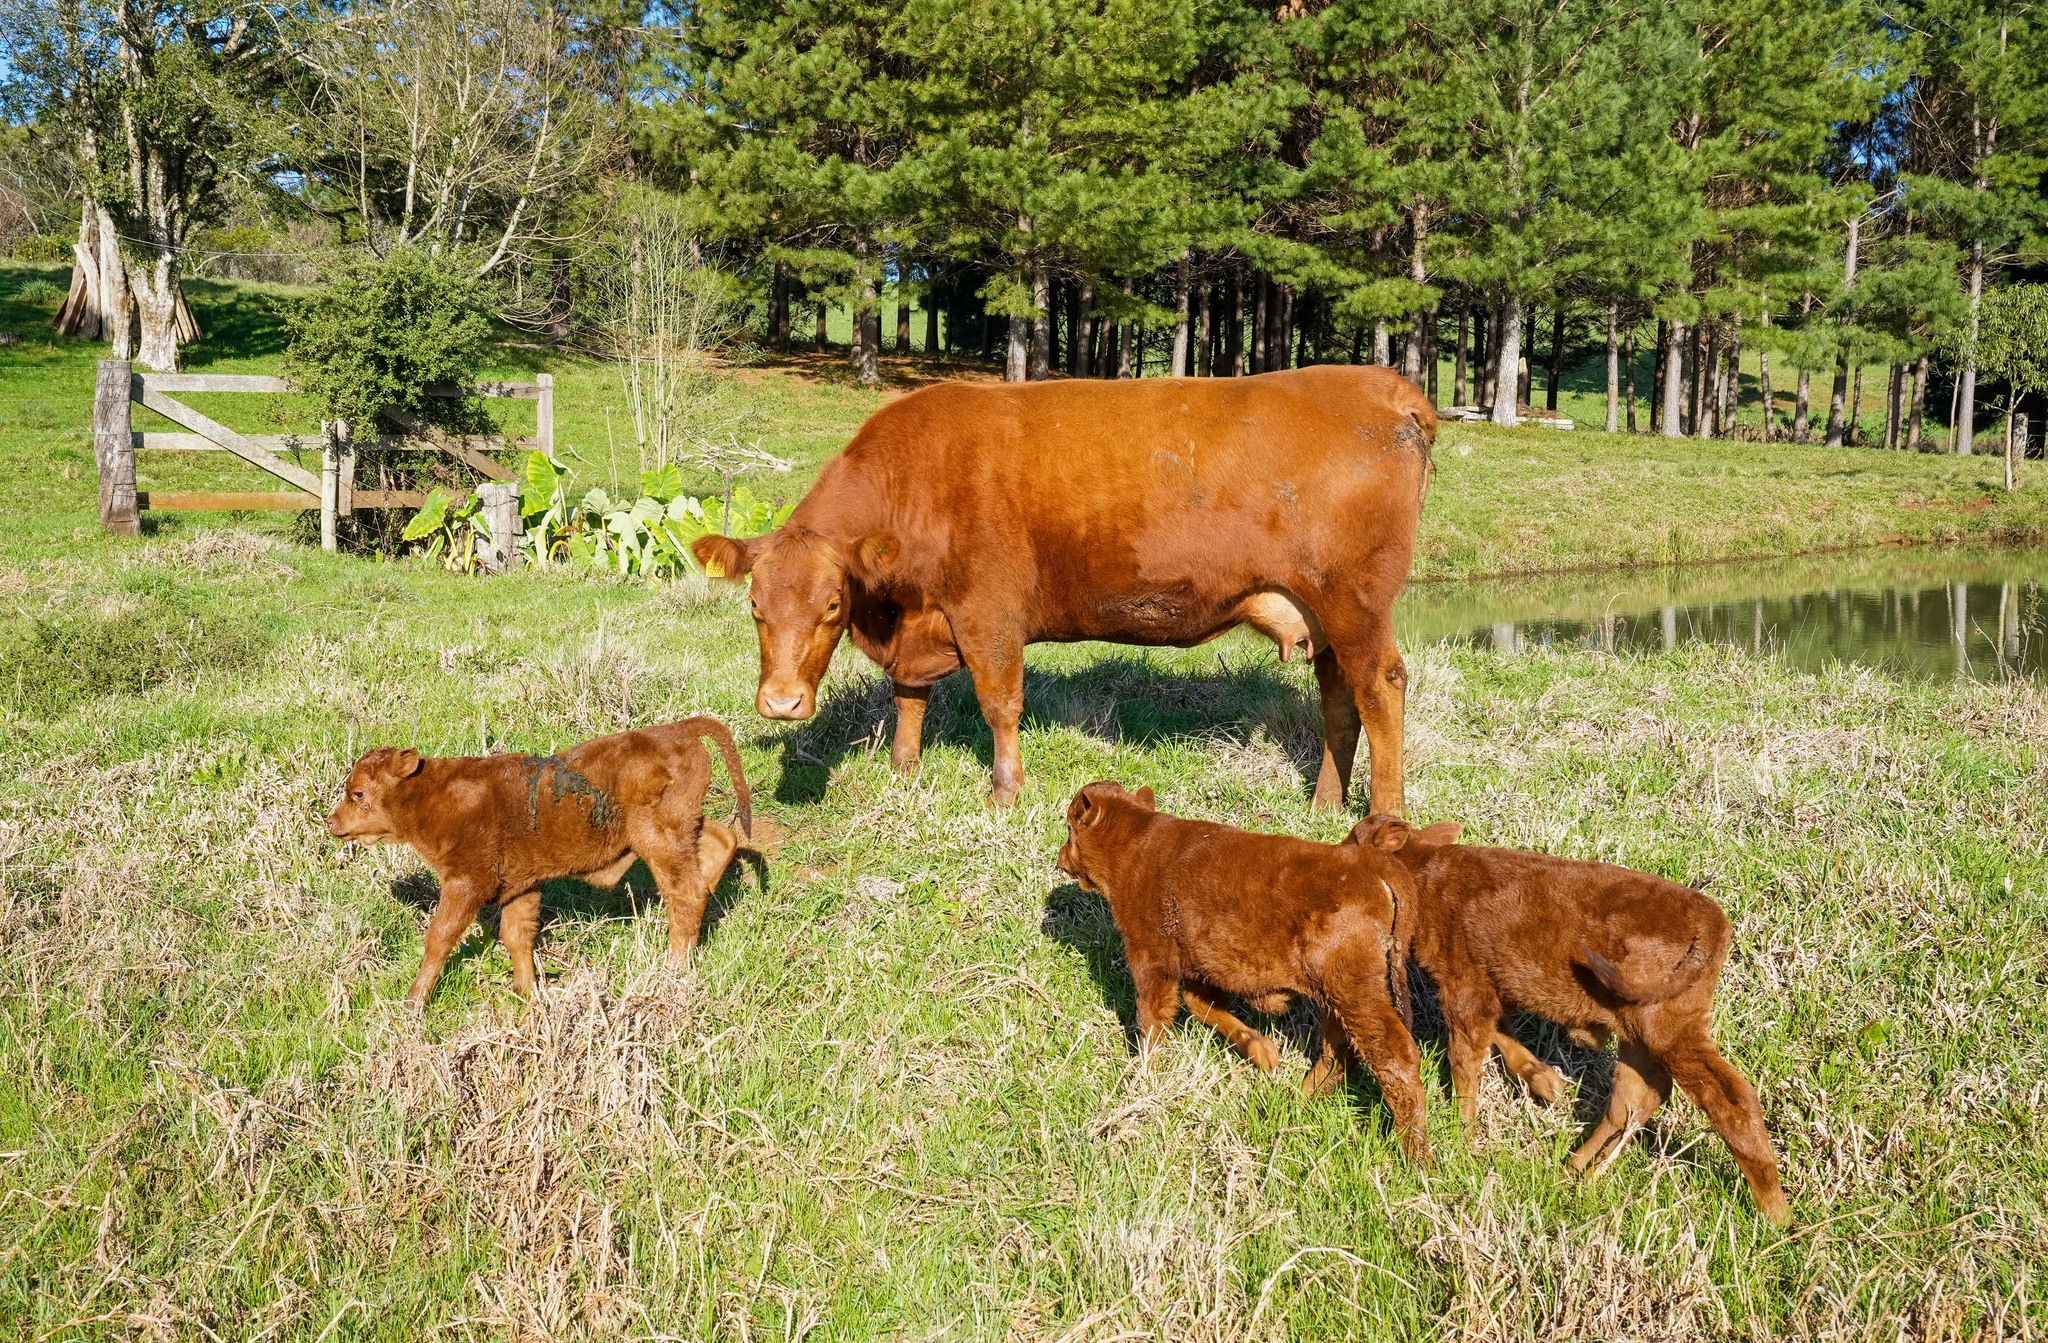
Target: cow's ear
876 557
1144 798
405 763
723 557
1388 834
1443 832
1087 811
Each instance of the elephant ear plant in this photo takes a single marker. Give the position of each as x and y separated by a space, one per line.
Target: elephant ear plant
648 536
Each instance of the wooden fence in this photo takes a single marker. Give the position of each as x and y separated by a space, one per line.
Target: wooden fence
332 490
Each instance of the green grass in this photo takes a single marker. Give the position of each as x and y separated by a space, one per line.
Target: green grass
894 1096
895 1093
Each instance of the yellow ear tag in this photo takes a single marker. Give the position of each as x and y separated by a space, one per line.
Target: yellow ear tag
714 568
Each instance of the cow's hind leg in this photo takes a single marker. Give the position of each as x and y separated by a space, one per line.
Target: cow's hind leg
908 746
1340 734
996 662
518 919
1362 640
1731 1106
1641 1086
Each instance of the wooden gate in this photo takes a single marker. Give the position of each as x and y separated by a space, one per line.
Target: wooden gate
332 490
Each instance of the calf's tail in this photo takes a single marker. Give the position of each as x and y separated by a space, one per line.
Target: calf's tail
717 733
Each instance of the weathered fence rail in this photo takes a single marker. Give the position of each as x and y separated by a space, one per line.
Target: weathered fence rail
332 489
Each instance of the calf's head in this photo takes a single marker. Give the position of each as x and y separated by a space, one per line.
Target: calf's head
365 810
802 600
1089 854
1391 834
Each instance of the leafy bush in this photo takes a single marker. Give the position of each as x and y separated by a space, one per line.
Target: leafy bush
454 529
49 666
38 293
383 331
43 247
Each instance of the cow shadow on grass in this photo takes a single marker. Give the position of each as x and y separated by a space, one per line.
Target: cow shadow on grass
567 901
1122 699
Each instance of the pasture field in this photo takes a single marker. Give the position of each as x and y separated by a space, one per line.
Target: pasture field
894 1096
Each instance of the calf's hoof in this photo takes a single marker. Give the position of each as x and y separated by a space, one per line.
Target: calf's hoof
1545 1084
1003 795
1775 1209
1261 1050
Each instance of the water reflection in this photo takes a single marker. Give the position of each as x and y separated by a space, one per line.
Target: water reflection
1930 613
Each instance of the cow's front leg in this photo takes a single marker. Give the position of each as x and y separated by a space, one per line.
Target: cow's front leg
997 667
911 702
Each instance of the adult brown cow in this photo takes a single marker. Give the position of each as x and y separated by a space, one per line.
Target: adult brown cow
967 520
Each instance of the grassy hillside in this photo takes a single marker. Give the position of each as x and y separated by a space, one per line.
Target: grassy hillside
1510 501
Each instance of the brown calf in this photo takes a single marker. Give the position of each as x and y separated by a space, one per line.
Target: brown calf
1209 910
1598 949
967 520
494 828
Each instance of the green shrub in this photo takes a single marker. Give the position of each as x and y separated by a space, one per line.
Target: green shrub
42 247
383 331
39 293
50 666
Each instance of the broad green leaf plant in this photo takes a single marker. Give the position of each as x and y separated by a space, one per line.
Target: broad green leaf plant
649 536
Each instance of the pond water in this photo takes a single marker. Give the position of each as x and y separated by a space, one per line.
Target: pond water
1980 613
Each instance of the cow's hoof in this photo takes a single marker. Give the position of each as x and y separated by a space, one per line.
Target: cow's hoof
999 796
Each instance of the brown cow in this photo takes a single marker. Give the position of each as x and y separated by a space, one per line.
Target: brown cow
1602 951
967 520
1209 910
495 827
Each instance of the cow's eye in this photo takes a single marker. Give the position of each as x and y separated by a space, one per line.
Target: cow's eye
356 796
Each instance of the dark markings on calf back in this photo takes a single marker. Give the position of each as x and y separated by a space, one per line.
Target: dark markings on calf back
604 813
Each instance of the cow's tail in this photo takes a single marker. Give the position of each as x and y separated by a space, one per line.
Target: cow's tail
717 733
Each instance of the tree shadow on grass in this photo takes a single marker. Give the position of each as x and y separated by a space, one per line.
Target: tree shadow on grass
566 900
237 323
1119 700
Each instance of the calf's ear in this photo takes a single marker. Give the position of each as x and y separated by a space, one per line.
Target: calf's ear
1386 833
1144 798
405 764
1087 811
723 557
1443 832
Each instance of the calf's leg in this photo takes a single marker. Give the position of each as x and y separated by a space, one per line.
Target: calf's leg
1355 987
908 746
1541 1079
1641 1086
1334 1060
1731 1106
1340 734
518 918
715 848
461 898
1205 1005
1158 1004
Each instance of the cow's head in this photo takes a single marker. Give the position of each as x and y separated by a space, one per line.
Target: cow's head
803 598
367 812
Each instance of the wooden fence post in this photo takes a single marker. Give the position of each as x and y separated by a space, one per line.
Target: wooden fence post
345 462
113 448
544 414
501 513
330 488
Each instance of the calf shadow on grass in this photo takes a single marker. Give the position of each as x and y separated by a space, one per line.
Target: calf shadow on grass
566 900
1082 922
1119 700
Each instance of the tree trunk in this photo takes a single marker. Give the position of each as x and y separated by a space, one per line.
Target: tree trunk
932 299
1432 327
1204 333
1510 359
1458 367
154 283
1259 299
1126 334
1017 366
1613 365
1418 274
1628 360
1084 332
867 327
1556 369
1966 385
902 317
1656 397
1674 380
1731 386
1706 412
1041 323
1489 362
1233 341
1179 365
1525 381
1854 436
1838 399
1697 383
1892 418
560 298
822 337
1382 343
1915 417
1284 315
778 305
